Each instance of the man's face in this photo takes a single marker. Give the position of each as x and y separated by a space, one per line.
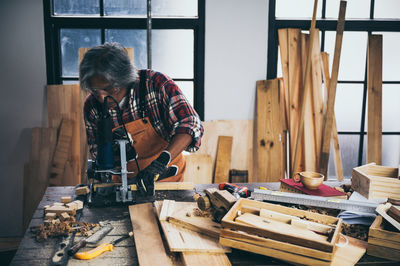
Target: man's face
100 88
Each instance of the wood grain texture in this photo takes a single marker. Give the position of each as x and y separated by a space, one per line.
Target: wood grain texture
328 119
349 254
284 52
199 168
374 88
195 259
269 134
149 246
223 159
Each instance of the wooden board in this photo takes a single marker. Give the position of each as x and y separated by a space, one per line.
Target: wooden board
328 119
223 159
183 240
242 147
284 52
269 150
374 87
350 253
195 259
198 168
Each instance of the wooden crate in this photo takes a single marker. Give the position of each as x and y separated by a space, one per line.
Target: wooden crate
383 243
283 244
376 181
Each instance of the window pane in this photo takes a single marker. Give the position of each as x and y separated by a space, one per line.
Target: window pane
354 9
71 41
297 9
391 55
66 82
391 150
173 52
125 7
353 54
348 103
187 89
174 8
73 7
387 9
349 151
135 39
390 107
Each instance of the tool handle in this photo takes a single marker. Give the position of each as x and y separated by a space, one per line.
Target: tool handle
94 252
76 247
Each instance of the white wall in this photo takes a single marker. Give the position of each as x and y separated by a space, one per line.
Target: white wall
235 57
22 84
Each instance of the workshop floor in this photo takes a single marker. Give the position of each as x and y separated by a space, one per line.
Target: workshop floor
6 257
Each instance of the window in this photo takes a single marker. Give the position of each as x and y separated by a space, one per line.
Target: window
169 38
363 17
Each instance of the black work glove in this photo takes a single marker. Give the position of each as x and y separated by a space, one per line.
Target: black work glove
145 178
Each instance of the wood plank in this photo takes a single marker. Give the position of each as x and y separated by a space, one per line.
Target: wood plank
374 87
284 52
149 246
183 240
269 133
328 119
198 168
223 159
383 252
350 253
194 259
335 138
167 209
169 186
305 86
384 243
376 230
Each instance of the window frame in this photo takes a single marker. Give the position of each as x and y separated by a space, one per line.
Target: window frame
53 24
327 24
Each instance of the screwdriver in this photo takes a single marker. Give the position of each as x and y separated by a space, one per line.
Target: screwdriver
101 248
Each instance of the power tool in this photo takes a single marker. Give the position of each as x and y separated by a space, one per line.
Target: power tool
235 190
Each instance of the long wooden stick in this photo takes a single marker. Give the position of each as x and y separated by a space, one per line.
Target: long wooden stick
327 130
306 84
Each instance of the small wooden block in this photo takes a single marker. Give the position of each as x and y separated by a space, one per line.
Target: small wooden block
45 207
64 216
79 204
47 222
72 205
66 199
55 221
60 209
58 204
50 216
82 190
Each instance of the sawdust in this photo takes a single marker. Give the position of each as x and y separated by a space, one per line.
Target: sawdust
199 213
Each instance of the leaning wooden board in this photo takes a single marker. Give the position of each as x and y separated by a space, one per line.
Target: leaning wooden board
184 240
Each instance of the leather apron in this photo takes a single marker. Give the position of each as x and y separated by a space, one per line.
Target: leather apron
149 144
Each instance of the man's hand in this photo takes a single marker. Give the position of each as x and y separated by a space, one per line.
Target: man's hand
145 178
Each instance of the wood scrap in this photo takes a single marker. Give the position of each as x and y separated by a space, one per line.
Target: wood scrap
167 209
223 159
198 168
193 258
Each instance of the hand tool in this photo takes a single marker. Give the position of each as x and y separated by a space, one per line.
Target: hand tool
237 191
93 239
101 248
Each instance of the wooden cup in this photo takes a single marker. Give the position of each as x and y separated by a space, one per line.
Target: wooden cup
309 179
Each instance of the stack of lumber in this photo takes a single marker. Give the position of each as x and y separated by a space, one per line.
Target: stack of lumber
383 240
376 181
61 211
193 238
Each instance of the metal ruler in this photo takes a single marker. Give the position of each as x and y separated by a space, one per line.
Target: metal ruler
316 201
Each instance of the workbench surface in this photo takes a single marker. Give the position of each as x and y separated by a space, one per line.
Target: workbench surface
31 252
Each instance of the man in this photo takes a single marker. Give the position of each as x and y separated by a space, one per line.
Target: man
155 113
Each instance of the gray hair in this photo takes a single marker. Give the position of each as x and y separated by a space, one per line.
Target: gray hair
109 61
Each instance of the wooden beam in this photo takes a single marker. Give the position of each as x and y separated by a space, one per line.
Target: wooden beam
374 85
223 160
328 120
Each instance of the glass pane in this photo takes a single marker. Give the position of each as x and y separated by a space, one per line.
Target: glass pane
353 54
135 39
66 82
354 9
390 107
187 89
348 103
125 7
71 41
73 7
391 150
349 151
173 52
387 9
174 8
297 9
391 55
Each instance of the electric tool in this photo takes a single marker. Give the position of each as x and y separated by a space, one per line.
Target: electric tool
235 190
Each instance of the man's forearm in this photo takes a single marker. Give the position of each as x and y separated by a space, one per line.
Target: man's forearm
178 144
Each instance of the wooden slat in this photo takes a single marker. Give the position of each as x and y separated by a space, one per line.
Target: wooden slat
198 168
335 138
349 254
383 252
284 52
166 210
169 186
269 132
149 246
195 259
374 85
223 159
328 119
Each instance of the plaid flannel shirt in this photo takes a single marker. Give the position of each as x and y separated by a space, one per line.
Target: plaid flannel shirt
167 108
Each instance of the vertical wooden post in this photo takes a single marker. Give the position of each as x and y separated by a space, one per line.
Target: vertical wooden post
374 85
223 159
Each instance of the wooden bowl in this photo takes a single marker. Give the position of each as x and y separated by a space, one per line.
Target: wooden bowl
310 180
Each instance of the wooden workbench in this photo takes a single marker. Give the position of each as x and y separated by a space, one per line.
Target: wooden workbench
31 252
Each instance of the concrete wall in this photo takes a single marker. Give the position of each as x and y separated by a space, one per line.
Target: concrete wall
235 57
22 85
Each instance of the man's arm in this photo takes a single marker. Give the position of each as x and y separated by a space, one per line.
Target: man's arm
178 144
